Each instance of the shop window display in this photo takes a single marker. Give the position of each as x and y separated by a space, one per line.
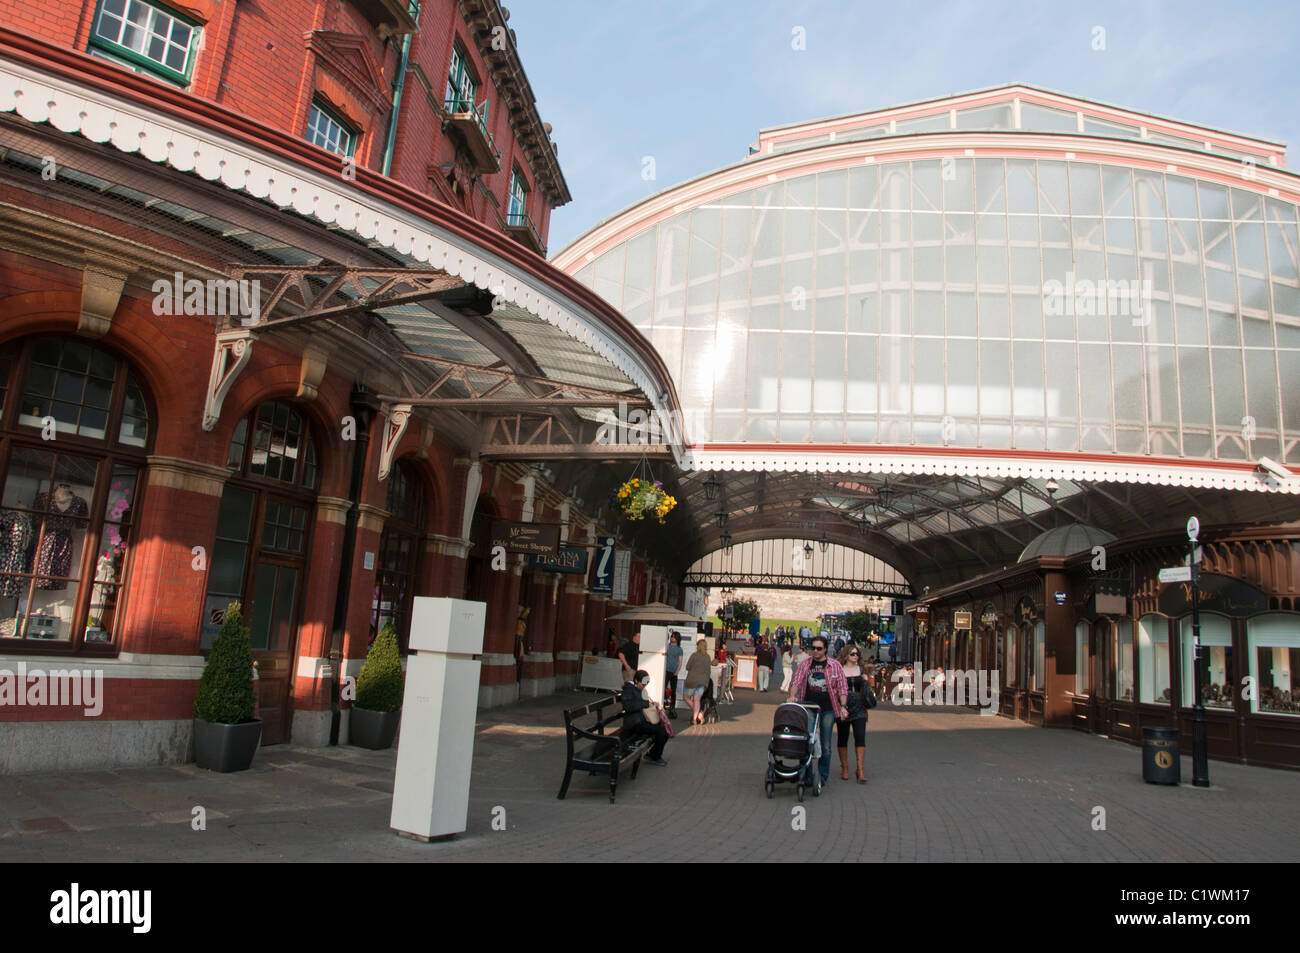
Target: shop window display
1274 650
1153 660
1124 661
1216 649
65 509
1081 681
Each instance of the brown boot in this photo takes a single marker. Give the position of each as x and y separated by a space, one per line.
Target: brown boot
861 753
844 764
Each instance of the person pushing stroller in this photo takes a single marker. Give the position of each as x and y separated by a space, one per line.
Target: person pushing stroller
820 681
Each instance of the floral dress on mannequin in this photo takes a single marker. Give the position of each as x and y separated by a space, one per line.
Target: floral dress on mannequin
65 513
16 539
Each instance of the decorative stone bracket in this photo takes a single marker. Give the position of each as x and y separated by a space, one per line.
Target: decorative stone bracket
102 281
233 350
398 416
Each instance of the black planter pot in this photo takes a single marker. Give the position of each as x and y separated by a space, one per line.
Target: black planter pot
219 747
374 729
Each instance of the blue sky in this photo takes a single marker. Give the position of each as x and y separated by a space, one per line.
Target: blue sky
691 83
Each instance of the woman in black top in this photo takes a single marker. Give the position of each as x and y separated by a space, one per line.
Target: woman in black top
858 679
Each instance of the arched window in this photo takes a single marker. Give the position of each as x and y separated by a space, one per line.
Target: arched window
260 555
399 552
74 432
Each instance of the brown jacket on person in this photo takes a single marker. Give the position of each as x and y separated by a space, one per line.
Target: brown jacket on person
699 668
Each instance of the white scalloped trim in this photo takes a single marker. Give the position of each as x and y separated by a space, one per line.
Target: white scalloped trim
99 117
1189 475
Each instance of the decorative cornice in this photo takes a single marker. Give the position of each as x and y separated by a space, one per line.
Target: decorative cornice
371 517
176 473
487 22
332 509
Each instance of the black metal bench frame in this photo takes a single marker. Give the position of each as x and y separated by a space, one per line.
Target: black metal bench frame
609 752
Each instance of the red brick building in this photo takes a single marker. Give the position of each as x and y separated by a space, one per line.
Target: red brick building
275 328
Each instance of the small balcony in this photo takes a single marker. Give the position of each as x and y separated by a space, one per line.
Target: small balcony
391 17
521 228
471 122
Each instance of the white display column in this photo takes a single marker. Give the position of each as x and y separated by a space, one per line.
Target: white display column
435 750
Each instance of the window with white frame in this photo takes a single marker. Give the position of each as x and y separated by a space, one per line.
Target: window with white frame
1153 660
1216 648
146 36
1273 647
328 132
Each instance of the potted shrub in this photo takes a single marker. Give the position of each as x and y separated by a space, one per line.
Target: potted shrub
226 734
378 709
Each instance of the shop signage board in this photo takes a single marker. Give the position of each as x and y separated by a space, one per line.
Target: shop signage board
961 620
622 570
528 538
1222 594
602 574
567 560
1061 597
1176 574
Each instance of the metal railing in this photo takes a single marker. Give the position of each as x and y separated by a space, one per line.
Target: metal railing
521 219
460 106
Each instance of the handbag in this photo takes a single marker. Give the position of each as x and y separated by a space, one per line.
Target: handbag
868 697
668 725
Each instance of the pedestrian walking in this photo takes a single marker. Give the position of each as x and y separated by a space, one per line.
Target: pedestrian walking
779 666
819 681
858 681
765 662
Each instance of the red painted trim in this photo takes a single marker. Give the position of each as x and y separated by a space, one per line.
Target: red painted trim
787 449
75 67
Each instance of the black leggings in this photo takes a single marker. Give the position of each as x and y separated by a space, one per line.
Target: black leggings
859 732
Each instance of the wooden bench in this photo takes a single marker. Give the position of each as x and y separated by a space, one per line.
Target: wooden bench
593 749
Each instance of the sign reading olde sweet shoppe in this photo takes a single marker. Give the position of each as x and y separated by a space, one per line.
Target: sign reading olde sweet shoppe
526 537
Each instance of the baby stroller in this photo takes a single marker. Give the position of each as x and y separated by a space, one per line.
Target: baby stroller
795 747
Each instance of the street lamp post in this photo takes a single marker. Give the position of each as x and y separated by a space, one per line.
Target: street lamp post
1200 756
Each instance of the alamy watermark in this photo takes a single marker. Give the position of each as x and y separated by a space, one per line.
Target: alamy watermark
230 297
956 687
77 688
1129 298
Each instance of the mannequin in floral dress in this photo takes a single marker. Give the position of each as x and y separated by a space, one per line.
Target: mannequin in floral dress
65 512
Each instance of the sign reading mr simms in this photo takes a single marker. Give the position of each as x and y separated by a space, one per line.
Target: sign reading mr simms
526 537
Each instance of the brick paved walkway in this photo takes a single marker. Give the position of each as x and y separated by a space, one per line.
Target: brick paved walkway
946 785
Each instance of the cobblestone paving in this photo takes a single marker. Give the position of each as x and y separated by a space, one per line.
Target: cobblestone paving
945 785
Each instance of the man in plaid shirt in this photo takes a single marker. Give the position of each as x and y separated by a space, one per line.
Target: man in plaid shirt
820 681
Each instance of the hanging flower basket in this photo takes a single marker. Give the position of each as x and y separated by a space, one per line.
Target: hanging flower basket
639 498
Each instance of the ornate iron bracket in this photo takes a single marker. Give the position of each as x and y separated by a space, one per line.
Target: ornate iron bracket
398 416
236 344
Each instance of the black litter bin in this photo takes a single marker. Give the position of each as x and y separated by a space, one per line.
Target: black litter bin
1161 763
